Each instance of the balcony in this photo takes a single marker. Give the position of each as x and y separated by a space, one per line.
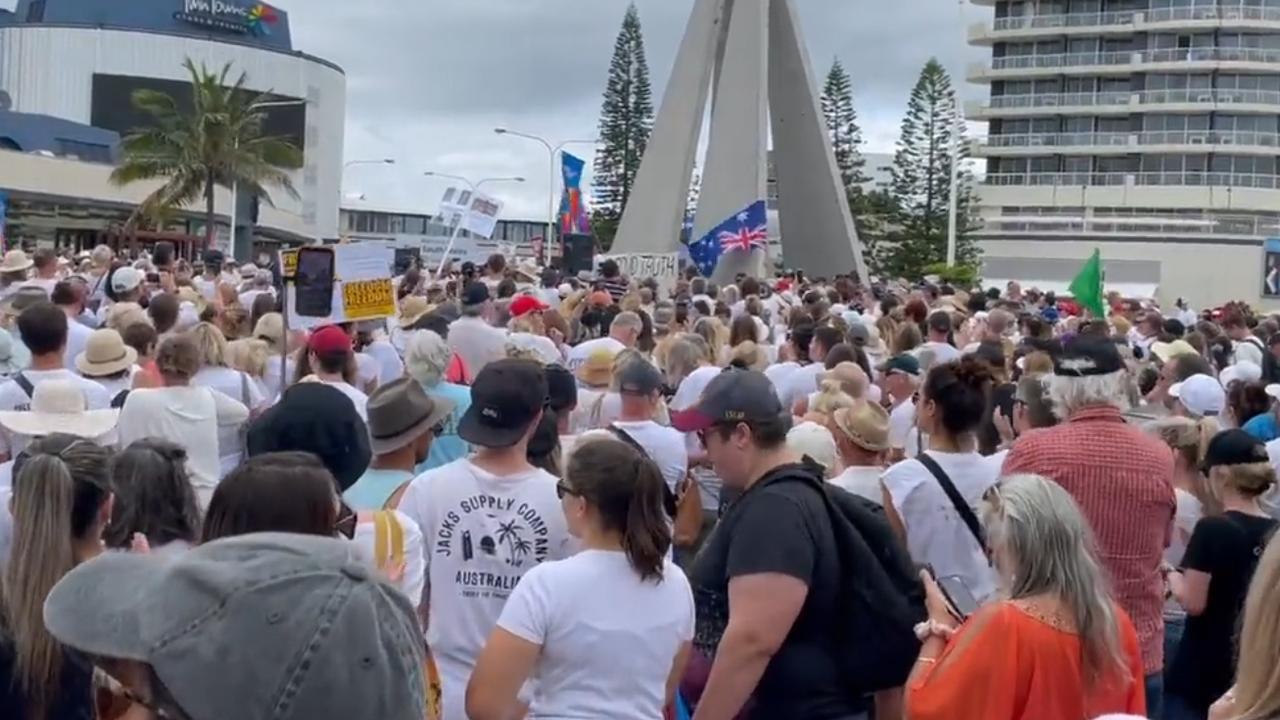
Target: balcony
1119 179
1240 142
1124 22
1123 103
1053 220
1181 60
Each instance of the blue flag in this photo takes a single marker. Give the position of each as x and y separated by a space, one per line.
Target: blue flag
4 210
745 231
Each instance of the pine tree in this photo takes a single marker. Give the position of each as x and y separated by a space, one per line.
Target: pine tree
922 181
626 120
842 127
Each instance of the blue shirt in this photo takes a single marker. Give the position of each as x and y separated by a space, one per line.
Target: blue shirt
1263 427
374 488
448 447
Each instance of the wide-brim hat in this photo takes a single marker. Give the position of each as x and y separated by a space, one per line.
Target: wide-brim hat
529 270
16 261
865 425
597 371
400 412
412 309
105 353
59 406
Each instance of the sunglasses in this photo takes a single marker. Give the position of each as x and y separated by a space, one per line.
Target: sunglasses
105 683
562 490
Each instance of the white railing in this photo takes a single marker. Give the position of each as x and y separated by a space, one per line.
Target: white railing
1088 99
1020 22
1224 12
1029 220
1024 62
1209 54
1124 57
1139 17
1058 139
1111 179
1145 137
1208 95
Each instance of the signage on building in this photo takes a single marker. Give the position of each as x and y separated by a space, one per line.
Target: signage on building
247 19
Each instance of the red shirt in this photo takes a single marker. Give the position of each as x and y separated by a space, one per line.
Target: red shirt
1121 477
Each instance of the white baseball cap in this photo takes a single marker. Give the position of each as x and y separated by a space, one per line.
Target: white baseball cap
814 440
1243 370
125 279
1202 395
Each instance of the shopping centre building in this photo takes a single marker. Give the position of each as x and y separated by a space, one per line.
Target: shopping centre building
68 69
1147 128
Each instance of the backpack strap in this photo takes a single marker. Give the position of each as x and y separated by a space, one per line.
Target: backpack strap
117 402
669 500
388 540
25 383
957 500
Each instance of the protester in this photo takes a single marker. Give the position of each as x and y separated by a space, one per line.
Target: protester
471 336
427 358
617 592
486 520
1219 562
1198 396
295 635
813 441
1058 648
403 423
329 359
639 384
187 415
900 378
68 298
217 374
862 440
1121 479
61 503
930 498
108 361
155 506
624 330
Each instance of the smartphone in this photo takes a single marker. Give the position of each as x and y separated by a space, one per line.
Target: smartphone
958 595
313 282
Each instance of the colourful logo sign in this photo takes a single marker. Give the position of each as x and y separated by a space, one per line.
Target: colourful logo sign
261 17
253 20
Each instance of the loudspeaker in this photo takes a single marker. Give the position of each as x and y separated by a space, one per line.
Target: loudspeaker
579 254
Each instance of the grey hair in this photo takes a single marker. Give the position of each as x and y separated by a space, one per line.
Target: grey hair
102 255
627 321
426 357
1049 549
730 295
1069 394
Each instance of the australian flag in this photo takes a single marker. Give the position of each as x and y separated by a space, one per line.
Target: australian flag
745 231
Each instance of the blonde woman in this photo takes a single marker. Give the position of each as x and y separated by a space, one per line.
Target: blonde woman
1256 695
217 374
270 329
121 315
251 356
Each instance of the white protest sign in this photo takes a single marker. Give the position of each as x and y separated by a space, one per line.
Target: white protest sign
362 288
665 267
475 212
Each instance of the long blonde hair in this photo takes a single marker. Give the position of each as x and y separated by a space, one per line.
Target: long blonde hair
1258 670
1189 440
58 494
211 343
249 355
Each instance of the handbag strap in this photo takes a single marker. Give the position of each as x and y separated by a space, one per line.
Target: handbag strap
957 500
388 539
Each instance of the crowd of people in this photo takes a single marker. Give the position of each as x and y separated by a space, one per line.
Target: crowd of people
533 494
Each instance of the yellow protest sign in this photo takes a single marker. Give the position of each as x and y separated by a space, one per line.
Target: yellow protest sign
289 263
368 299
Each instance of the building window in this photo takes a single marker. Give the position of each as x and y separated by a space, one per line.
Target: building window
88 152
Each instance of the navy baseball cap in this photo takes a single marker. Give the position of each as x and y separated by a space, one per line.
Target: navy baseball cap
475 293
506 398
734 396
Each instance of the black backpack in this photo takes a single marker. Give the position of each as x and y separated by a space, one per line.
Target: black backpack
881 597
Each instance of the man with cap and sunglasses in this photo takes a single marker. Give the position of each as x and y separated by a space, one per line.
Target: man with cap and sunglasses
486 519
266 626
767 582
900 378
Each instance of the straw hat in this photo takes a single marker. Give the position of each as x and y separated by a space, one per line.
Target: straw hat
15 261
412 308
105 354
529 270
59 406
597 371
865 425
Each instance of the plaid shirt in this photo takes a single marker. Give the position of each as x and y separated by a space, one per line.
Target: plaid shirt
1122 479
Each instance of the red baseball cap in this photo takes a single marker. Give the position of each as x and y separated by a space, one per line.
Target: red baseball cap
526 304
329 339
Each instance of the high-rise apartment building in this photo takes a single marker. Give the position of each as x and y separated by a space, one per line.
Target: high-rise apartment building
1148 128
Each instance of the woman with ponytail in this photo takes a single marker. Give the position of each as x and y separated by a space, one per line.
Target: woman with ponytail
61 504
607 630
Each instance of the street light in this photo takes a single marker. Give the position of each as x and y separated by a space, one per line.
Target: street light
553 150
384 161
476 185
235 184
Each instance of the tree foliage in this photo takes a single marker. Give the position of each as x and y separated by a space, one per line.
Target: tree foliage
842 127
626 121
217 141
921 185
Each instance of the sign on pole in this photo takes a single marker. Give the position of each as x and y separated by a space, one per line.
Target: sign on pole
476 212
664 267
362 290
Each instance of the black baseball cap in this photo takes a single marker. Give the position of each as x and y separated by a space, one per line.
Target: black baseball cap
638 376
906 363
475 293
506 397
1086 355
1234 447
562 388
733 396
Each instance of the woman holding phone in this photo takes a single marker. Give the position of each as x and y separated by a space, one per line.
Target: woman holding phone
1058 648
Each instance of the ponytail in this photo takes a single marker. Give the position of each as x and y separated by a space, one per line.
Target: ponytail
647 536
57 494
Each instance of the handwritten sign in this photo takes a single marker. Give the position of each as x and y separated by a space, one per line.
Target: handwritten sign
289 263
664 267
368 299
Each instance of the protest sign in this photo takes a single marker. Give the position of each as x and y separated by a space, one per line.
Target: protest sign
665 267
362 288
288 263
470 210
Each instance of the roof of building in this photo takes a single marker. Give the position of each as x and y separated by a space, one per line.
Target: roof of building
27 132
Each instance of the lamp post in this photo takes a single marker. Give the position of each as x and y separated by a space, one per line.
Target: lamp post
235 184
475 187
552 150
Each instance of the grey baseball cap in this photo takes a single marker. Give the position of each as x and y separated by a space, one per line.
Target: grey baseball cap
269 626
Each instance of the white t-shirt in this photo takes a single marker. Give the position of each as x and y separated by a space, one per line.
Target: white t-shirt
608 638
935 533
415 567
13 397
800 383
368 369
1248 351
189 416
578 354
942 352
481 533
596 409
546 350
477 342
237 386
390 366
902 429
77 338
358 398
45 284
664 445
248 296
863 481
271 378
779 374
208 288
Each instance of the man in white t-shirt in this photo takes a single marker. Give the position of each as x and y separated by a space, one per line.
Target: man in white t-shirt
45 261
330 350
1246 347
900 377
471 336
43 328
623 333
804 380
486 520
939 343
66 295
798 342
639 386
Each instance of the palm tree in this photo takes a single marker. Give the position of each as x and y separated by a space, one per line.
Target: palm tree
217 141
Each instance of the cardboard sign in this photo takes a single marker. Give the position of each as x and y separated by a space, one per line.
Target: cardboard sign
368 299
289 263
665 267
362 288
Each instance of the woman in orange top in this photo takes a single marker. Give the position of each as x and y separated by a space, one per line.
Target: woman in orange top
1058 648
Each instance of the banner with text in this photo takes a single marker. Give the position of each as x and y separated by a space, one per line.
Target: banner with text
665 267
362 290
